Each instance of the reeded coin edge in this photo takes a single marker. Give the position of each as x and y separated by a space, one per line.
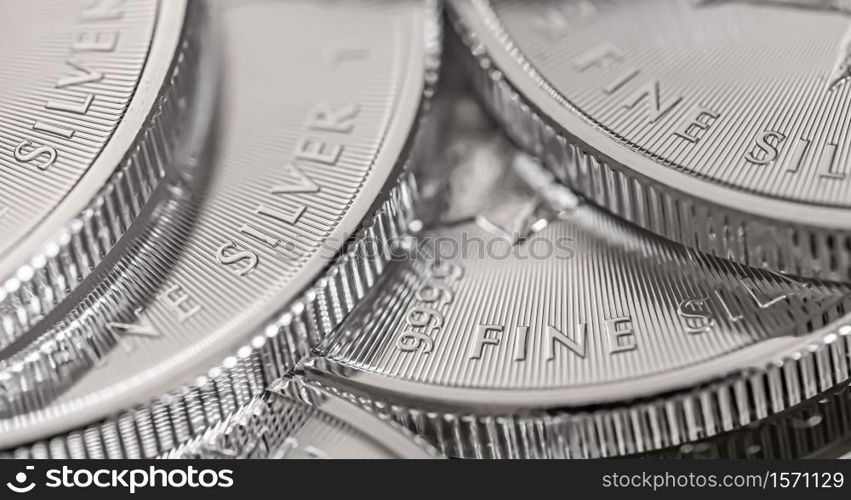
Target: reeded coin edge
817 428
243 433
157 427
84 242
722 405
797 249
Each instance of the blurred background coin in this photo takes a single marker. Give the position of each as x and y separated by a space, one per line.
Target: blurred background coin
322 106
97 100
527 323
817 428
721 125
294 420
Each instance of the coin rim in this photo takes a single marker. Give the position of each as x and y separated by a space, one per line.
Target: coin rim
165 42
480 18
395 439
298 315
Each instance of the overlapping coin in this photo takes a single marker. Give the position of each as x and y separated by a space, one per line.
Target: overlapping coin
100 106
322 109
527 323
238 229
721 125
295 420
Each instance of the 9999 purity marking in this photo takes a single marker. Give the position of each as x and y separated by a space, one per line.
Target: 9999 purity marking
496 348
312 159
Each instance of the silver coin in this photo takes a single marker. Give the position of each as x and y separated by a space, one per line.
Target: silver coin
97 100
293 420
722 125
529 324
323 103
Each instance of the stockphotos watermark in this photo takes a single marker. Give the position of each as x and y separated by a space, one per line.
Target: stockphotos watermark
462 245
119 478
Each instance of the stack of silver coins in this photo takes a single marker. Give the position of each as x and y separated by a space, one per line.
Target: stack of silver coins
415 229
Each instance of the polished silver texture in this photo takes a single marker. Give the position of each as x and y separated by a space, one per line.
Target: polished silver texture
721 125
97 100
528 323
322 107
294 420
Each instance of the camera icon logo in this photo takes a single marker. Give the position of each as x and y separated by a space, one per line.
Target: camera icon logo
20 485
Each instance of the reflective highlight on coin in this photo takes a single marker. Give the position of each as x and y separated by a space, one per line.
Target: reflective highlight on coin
324 102
817 428
293 420
720 125
96 99
552 329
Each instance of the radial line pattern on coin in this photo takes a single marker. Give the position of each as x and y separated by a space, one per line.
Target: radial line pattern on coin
97 99
322 140
617 343
723 127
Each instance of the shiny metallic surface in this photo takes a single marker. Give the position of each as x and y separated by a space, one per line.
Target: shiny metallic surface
721 125
97 102
550 328
817 428
305 185
295 420
273 229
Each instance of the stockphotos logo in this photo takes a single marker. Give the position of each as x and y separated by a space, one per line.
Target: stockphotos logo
22 484
130 480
